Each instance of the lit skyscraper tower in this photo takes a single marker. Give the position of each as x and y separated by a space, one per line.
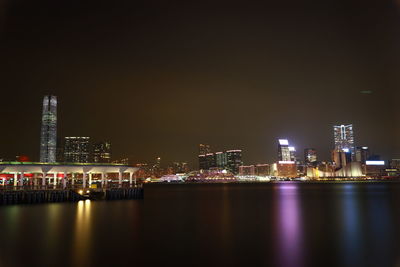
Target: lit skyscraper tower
48 136
283 150
344 138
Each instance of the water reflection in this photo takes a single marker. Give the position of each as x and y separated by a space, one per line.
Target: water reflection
380 225
82 234
289 225
350 226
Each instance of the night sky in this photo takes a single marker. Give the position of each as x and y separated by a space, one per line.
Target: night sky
157 78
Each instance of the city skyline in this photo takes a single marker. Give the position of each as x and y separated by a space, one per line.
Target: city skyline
343 137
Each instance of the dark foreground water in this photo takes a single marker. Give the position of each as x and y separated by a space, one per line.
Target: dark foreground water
285 224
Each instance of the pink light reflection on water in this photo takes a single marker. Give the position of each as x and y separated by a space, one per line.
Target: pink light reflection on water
289 225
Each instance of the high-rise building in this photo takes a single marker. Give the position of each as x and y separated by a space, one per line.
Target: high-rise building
221 160
283 150
344 139
292 151
203 160
234 160
204 149
310 156
102 152
395 163
362 154
211 162
76 149
341 158
48 135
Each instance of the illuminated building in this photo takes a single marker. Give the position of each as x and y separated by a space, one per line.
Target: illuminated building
262 169
375 168
247 170
102 152
283 150
180 167
395 163
76 149
221 160
234 160
344 138
124 161
292 151
211 162
362 154
48 135
286 169
341 158
310 156
203 160
204 149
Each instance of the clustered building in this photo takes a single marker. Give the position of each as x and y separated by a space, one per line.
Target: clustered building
73 149
229 160
348 160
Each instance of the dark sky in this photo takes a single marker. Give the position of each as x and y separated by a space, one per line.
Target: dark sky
158 77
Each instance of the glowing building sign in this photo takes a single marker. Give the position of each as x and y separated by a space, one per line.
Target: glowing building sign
375 162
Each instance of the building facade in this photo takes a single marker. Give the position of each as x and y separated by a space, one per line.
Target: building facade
262 169
204 149
234 160
344 138
77 149
362 154
283 150
101 152
310 156
48 135
221 160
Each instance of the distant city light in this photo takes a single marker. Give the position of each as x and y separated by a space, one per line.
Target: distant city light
286 162
292 148
375 162
283 142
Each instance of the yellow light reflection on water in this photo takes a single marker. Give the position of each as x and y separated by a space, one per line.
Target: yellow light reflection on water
82 234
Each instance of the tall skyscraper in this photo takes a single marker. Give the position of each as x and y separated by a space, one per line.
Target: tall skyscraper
76 149
283 150
234 160
344 138
48 135
310 156
102 152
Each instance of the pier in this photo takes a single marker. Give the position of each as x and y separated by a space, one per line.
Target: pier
33 182
35 196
